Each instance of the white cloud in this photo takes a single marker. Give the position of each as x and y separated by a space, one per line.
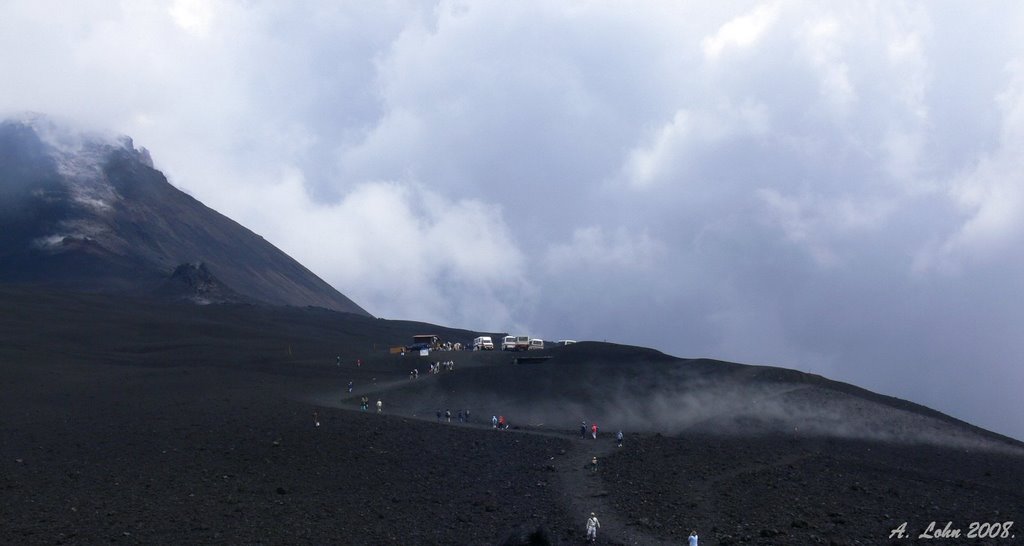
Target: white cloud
823 43
195 16
592 247
398 249
686 137
990 195
740 32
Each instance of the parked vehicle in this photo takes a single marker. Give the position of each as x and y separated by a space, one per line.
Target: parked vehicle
483 343
508 343
536 344
424 341
566 341
522 343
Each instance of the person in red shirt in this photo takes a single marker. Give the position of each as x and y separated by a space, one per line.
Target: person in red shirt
593 430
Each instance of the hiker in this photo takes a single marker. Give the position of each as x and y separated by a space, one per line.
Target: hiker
448 415
494 422
316 418
359 362
593 430
438 416
350 387
380 405
693 538
583 429
501 422
592 526
467 416
593 464
461 420
339 360
364 403
618 439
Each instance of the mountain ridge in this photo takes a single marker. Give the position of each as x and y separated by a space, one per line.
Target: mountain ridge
88 212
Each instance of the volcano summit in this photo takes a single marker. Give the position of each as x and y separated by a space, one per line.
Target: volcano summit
89 212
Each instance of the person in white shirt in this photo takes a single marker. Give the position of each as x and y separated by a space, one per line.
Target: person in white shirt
693 538
592 526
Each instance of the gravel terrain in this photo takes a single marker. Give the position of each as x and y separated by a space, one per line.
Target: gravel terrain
142 422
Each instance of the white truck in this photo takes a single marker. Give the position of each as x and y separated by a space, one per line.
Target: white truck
483 343
508 343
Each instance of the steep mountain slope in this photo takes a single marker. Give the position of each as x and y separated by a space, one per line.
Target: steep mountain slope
86 212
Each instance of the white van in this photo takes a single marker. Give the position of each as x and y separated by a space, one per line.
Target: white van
508 343
483 343
536 344
522 343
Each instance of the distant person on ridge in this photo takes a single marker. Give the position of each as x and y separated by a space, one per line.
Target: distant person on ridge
501 422
592 526
618 438
316 418
593 430
350 387
339 360
380 405
438 416
467 416
461 418
593 464
583 429
693 538
494 422
448 415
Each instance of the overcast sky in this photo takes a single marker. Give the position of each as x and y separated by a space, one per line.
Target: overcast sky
835 187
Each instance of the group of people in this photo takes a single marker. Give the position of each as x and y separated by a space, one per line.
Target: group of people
499 422
364 404
438 367
593 432
463 415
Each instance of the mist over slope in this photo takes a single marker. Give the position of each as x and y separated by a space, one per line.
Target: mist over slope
642 390
89 212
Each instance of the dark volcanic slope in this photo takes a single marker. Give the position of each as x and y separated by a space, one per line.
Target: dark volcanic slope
148 422
81 212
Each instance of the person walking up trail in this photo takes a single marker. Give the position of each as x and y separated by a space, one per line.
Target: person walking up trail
693 538
592 526
380 406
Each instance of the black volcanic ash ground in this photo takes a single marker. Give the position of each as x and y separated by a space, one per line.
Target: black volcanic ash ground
148 423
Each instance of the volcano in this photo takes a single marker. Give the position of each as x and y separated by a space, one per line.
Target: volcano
132 415
88 212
